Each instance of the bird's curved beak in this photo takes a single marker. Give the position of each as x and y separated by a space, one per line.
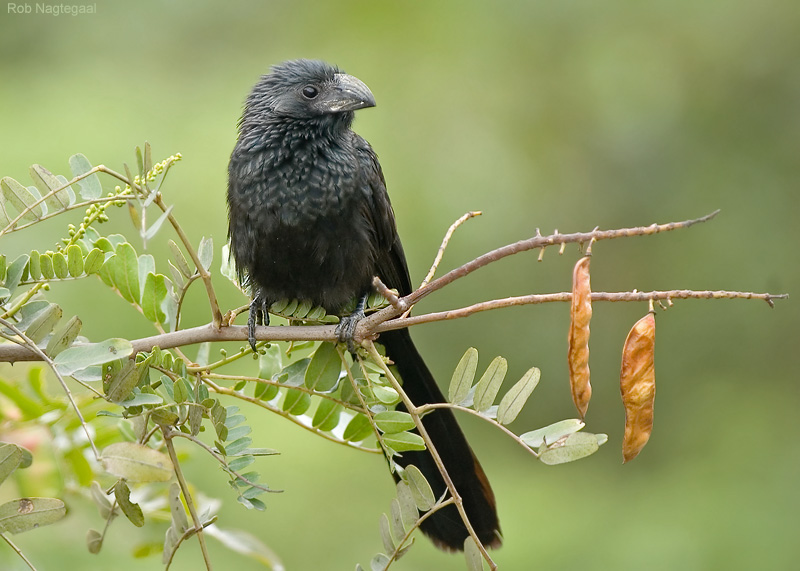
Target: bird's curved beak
348 94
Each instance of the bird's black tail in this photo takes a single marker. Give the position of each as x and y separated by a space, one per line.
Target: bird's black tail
445 527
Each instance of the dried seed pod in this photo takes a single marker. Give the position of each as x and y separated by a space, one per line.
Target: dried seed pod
637 381
578 348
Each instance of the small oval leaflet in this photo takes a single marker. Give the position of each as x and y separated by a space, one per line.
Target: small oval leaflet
386 534
549 434
473 555
64 337
515 398
394 421
575 447
77 358
94 541
60 266
420 488
125 272
132 511
357 429
324 369
25 514
136 463
489 384
326 417
408 507
10 458
44 323
75 260
90 186
463 375
404 441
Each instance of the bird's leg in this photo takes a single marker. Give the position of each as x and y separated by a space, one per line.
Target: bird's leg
347 324
259 315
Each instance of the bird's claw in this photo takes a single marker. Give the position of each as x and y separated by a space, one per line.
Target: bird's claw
259 315
347 328
347 325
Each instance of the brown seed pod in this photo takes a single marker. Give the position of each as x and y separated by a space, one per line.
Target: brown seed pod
637 382
578 347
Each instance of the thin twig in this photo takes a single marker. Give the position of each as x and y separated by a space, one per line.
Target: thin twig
432 406
184 536
441 504
445 241
198 525
221 459
274 383
17 550
537 241
440 253
629 296
413 411
265 405
216 313
29 208
388 294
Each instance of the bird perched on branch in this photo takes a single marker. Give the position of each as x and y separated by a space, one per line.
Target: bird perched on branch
310 219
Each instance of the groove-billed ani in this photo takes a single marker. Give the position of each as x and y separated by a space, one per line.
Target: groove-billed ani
310 219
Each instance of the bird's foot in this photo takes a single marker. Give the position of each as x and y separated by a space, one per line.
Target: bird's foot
259 315
347 325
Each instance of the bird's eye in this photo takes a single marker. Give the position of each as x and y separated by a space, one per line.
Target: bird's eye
310 92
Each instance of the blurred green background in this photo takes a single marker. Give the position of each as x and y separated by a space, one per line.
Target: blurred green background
563 115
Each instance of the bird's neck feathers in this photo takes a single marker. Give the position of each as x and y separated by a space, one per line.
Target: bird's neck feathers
271 131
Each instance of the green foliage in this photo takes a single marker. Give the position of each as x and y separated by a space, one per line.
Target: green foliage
141 403
24 514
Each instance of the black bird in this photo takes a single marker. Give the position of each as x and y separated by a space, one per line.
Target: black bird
310 219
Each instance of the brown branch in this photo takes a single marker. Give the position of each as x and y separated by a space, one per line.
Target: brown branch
566 296
11 353
384 320
536 242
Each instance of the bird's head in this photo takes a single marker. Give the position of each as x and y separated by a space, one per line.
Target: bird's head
307 90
